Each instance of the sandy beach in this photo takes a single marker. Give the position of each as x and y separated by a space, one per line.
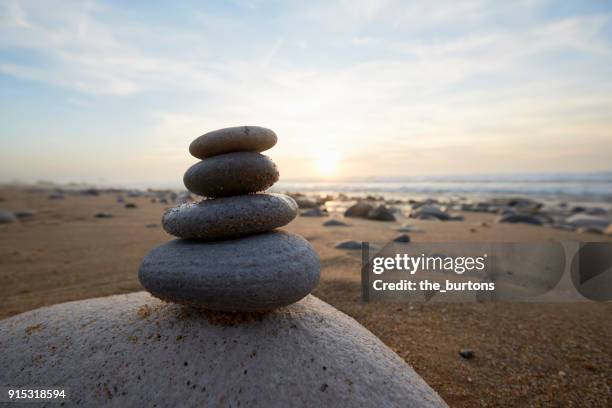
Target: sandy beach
524 354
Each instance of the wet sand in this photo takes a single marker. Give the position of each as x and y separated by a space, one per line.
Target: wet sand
525 354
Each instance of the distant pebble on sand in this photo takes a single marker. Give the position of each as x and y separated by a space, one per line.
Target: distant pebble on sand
381 213
335 223
402 238
348 244
580 220
21 214
7 217
519 218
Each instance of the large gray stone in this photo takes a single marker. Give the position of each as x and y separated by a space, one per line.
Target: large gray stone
381 213
259 272
429 211
359 210
231 174
233 139
230 217
136 351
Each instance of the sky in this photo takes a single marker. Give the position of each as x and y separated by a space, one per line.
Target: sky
114 91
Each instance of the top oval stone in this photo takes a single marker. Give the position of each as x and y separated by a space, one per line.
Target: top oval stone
233 139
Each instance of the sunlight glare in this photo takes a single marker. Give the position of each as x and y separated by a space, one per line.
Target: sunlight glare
327 164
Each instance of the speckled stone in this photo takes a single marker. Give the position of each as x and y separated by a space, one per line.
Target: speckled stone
258 272
233 139
136 351
230 217
231 174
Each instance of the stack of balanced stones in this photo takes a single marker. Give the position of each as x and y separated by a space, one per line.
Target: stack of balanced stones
230 256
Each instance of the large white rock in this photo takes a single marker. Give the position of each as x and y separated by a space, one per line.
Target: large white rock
134 350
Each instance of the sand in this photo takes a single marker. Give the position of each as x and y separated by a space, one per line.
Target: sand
525 354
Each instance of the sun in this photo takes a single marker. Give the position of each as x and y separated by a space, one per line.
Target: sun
326 164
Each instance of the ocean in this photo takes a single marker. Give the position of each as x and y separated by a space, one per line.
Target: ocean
592 187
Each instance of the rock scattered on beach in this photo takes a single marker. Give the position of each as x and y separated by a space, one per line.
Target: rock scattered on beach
402 238
313 212
596 211
21 214
134 350
519 218
428 212
581 220
466 353
335 223
348 244
359 210
7 217
130 205
367 211
229 256
103 215
381 213
305 202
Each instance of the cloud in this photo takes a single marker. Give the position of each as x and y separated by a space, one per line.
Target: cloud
414 87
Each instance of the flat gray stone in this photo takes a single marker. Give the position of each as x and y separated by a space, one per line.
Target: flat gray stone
348 244
7 217
233 139
402 238
588 221
136 351
258 272
231 174
230 217
335 223
519 218
25 213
